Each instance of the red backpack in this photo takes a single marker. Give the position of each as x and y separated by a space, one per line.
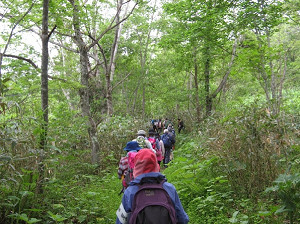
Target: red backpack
156 148
129 173
153 142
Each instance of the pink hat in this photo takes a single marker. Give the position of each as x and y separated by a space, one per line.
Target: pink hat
145 162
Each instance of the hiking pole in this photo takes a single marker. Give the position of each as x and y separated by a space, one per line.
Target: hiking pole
122 191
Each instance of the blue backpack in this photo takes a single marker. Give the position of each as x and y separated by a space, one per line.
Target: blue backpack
167 140
152 204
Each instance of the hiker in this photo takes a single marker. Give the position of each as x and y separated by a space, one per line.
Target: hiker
169 141
154 125
155 145
166 123
171 130
161 148
159 126
142 140
180 125
126 163
149 197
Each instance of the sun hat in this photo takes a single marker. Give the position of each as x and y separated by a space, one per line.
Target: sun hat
145 162
142 132
151 131
132 146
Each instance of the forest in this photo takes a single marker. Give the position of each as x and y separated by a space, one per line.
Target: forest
79 78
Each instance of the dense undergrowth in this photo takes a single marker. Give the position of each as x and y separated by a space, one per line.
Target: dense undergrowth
228 170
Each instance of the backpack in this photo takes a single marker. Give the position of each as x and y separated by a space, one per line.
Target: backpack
152 203
129 173
153 142
141 141
155 146
166 140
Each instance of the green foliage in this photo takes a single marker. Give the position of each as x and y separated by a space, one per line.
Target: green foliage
205 191
219 170
253 146
114 133
287 189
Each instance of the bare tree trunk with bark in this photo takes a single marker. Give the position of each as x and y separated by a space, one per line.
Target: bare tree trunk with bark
84 90
44 97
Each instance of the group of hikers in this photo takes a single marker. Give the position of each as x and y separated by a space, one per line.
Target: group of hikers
148 197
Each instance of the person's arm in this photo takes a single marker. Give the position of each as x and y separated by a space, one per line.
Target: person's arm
181 215
148 144
122 213
162 148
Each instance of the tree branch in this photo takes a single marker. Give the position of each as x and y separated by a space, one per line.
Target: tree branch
110 27
20 58
101 50
223 82
57 78
11 34
49 35
121 81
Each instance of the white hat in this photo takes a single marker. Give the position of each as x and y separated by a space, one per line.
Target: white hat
142 132
166 131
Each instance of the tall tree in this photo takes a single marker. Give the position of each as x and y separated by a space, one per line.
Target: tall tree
44 92
84 47
207 26
261 18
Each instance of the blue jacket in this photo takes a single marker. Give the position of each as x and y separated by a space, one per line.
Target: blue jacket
129 193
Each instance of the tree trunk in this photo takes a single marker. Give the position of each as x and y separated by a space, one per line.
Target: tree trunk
208 100
196 87
144 102
225 77
109 94
117 39
44 96
84 91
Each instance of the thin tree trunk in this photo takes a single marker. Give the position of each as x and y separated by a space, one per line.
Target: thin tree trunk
44 96
225 77
281 83
117 39
144 102
110 71
207 81
196 86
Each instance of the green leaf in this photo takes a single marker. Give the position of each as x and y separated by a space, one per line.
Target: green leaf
57 206
91 194
23 217
33 220
81 218
282 209
56 217
264 213
26 193
271 189
233 219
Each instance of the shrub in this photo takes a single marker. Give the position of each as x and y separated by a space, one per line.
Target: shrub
253 147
